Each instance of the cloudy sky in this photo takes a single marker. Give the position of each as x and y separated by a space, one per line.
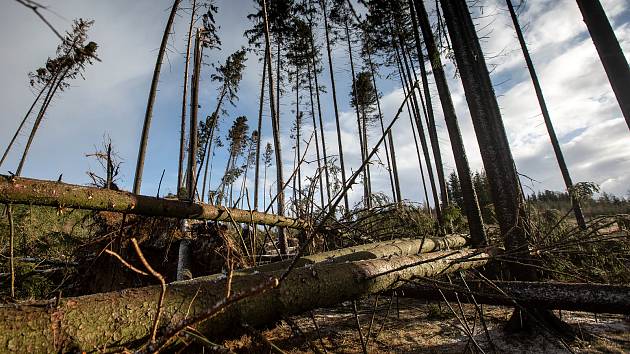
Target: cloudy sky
112 99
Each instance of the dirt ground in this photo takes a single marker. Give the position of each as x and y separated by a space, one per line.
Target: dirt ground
413 326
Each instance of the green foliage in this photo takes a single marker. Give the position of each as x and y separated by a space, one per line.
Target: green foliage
73 55
565 253
364 97
230 75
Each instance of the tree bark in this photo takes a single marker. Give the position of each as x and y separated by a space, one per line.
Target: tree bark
152 92
37 192
319 113
122 319
260 114
361 127
182 134
19 129
588 297
491 136
435 145
495 152
275 122
610 52
334 97
577 209
191 184
471 204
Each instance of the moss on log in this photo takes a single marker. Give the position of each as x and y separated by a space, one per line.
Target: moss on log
112 321
588 297
56 194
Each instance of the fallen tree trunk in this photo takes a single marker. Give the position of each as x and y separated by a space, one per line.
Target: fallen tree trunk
598 298
111 321
397 247
19 190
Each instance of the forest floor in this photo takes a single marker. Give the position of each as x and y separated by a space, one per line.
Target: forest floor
413 326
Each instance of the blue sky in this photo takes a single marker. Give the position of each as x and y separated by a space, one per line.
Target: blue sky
112 99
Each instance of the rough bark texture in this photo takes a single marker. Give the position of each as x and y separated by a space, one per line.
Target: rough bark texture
598 298
111 321
30 191
609 51
490 132
152 92
471 204
577 209
398 247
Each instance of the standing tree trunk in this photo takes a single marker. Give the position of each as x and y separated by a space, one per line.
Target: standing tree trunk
406 73
276 135
19 129
579 216
54 86
471 204
495 152
403 83
334 97
361 127
152 92
319 113
192 147
298 127
182 135
435 145
609 51
260 114
392 170
319 162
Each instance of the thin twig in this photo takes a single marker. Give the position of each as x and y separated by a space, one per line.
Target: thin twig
160 278
208 313
356 319
11 240
125 263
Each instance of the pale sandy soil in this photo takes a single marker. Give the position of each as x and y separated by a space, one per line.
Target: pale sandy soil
417 327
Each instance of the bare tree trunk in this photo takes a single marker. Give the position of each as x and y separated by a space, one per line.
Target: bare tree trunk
403 83
423 140
318 155
361 127
471 204
182 135
579 216
260 114
298 127
193 140
152 92
19 190
387 143
40 116
78 323
598 298
19 129
495 149
275 120
334 97
319 115
435 145
610 52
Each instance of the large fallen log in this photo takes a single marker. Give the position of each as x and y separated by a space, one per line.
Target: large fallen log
20 190
116 320
396 247
598 298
